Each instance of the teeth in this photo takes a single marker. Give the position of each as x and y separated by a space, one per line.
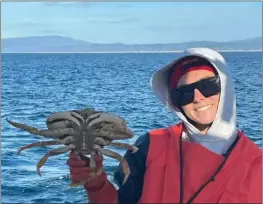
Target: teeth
204 108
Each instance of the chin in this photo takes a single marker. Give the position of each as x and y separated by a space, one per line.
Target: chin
204 122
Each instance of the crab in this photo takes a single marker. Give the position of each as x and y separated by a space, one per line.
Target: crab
85 132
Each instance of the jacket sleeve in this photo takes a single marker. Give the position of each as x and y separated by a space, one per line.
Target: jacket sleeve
130 192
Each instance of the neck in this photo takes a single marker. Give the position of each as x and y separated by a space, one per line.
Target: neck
202 128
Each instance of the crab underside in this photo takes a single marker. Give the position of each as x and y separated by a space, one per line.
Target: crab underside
86 132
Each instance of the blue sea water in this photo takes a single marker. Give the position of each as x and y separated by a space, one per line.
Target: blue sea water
34 85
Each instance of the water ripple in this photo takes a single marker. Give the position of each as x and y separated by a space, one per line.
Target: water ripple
33 86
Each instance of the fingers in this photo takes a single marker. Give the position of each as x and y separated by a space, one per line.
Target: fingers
74 155
81 163
93 178
83 176
98 157
81 170
83 173
76 163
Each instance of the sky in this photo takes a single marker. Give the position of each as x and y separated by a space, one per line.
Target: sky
133 22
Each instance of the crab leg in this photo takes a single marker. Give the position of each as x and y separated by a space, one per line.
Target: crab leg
56 133
104 142
110 118
106 117
67 140
54 122
123 145
38 144
59 124
64 116
114 155
54 152
110 134
103 126
78 116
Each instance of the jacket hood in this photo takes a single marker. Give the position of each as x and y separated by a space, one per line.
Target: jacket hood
223 131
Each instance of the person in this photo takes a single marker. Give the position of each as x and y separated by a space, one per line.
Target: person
203 159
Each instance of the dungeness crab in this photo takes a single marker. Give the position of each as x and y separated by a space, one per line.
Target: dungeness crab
84 131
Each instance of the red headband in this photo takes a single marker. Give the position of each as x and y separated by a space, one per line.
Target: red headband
183 67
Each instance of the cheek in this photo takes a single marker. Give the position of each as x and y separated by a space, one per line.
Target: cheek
188 109
215 99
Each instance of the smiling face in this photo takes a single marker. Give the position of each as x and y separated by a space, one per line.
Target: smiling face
203 109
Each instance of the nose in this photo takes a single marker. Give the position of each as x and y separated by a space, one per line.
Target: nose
198 96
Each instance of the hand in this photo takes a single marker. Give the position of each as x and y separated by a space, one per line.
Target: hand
81 173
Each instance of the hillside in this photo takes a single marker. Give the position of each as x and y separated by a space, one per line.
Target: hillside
38 44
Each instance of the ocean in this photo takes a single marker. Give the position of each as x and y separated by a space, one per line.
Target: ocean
35 85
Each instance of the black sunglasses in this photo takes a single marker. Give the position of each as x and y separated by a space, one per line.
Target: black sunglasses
185 94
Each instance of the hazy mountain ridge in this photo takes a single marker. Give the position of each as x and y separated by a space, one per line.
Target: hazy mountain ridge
66 44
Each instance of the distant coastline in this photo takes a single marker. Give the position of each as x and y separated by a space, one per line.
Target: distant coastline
59 44
121 52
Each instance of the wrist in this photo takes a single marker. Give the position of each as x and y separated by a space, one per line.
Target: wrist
106 194
97 184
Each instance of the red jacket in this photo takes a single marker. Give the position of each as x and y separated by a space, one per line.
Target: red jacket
207 177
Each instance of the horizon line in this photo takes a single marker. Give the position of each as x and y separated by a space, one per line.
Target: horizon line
249 38
123 52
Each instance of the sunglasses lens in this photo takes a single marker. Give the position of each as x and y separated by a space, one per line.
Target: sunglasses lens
182 96
186 98
209 89
185 95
